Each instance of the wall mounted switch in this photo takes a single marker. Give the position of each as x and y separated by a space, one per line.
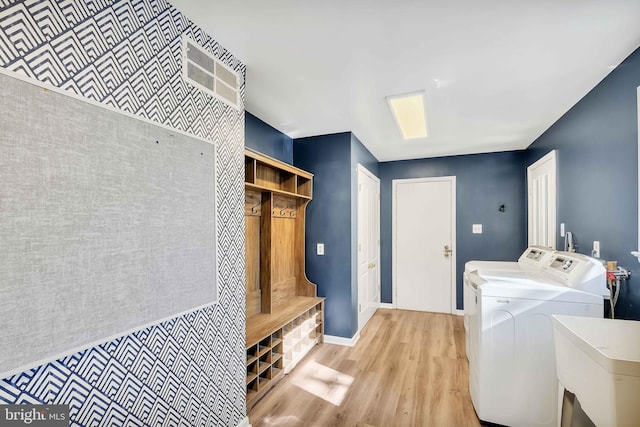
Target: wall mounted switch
320 249
596 249
562 229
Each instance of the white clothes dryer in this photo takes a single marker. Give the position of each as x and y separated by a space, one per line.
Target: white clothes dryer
530 260
512 374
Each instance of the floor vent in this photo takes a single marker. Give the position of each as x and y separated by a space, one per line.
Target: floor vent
206 72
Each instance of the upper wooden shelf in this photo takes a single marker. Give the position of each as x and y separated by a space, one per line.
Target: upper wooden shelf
284 193
268 174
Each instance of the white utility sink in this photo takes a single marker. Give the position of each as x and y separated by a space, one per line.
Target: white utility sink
598 360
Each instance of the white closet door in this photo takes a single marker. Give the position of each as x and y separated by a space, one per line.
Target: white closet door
368 245
541 193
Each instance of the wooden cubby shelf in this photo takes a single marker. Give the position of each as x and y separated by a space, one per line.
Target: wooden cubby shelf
285 318
266 174
291 331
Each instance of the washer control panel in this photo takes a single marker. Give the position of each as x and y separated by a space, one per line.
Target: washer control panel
577 271
535 256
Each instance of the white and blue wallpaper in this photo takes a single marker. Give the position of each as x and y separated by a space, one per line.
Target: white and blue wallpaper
188 371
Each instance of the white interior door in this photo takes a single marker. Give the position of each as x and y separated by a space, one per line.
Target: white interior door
368 245
541 195
638 111
424 212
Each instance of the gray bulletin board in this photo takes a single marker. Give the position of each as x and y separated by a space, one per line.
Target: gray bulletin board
107 224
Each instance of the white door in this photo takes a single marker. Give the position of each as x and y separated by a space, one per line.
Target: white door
368 245
541 196
638 111
424 261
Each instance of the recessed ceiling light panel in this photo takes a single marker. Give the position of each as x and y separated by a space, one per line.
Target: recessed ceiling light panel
409 113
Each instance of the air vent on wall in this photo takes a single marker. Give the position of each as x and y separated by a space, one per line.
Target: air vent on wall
206 72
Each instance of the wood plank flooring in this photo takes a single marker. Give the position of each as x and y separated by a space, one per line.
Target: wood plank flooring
408 369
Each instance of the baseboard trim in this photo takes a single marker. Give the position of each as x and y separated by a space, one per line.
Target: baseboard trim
387 306
348 342
460 312
244 423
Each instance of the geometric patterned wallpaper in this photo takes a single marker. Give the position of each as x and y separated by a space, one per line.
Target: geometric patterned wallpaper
188 371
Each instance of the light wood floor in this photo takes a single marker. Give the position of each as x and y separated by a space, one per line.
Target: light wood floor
408 369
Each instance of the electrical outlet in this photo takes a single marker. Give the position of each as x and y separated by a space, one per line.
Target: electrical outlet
320 249
477 229
596 249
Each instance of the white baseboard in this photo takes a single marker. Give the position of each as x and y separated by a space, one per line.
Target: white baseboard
244 423
349 342
393 307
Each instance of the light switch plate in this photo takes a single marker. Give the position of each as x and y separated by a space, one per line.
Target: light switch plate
477 228
320 249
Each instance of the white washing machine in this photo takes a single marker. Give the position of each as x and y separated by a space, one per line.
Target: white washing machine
512 374
530 260
531 257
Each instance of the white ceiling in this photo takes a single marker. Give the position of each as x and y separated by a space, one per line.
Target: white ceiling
497 73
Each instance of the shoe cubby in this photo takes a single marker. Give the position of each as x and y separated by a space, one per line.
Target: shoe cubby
270 357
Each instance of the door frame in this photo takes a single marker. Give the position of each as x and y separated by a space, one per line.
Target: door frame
394 232
638 113
552 207
361 169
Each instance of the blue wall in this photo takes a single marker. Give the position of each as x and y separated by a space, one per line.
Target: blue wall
597 143
328 221
360 155
483 183
265 139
